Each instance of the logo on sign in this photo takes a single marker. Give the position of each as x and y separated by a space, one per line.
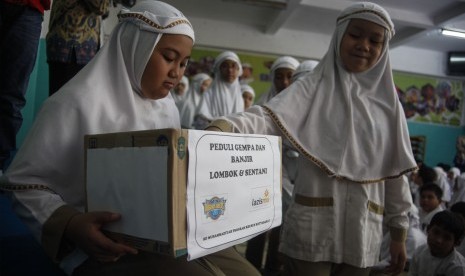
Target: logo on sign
213 208
261 199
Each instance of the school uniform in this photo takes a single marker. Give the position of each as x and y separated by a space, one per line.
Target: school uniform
351 131
46 180
425 264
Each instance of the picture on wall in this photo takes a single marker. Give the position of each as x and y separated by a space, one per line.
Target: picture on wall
429 99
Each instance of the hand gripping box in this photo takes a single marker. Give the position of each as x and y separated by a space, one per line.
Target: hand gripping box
143 175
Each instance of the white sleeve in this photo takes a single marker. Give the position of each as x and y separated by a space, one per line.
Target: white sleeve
398 202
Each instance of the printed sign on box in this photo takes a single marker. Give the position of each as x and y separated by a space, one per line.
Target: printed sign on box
234 189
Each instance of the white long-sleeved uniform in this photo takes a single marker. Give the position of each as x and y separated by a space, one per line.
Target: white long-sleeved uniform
332 219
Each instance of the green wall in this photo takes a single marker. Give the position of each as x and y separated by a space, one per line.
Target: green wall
440 139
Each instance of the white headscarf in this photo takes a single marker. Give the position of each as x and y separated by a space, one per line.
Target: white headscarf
459 190
247 88
281 62
351 125
105 96
223 98
192 101
304 67
179 98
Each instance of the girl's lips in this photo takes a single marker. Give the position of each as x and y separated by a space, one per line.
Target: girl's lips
168 85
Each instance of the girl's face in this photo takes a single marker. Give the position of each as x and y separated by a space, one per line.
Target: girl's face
229 71
205 84
248 99
166 65
180 88
282 78
361 45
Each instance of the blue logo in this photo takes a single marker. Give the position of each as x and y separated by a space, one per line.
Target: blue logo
213 208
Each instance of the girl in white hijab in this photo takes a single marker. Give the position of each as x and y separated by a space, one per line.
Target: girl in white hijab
179 92
346 121
124 88
281 72
224 96
248 94
304 67
190 106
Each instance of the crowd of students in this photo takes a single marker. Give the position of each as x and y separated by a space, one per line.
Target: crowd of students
347 157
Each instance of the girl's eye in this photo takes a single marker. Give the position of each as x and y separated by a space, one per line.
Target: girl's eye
167 58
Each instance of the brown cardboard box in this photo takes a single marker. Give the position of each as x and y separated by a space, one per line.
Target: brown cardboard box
175 141
143 176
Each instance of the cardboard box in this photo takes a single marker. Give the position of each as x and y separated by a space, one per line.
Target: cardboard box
143 176
175 143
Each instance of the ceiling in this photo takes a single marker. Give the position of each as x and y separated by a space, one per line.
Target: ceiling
417 22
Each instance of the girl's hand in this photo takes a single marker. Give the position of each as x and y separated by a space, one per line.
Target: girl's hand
83 230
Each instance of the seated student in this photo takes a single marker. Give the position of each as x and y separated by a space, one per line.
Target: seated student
439 256
124 88
459 190
459 208
443 183
430 203
425 174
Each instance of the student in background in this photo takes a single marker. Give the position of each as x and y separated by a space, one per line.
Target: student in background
304 68
425 174
458 190
190 105
459 208
73 38
430 203
452 177
281 72
439 256
281 77
343 188
443 183
194 99
179 92
248 94
125 88
224 95
20 27
247 73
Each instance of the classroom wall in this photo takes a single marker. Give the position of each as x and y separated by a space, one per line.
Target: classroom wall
441 139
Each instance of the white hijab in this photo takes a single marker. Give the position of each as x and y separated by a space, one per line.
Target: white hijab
105 96
281 62
223 98
304 67
351 125
179 98
247 88
192 101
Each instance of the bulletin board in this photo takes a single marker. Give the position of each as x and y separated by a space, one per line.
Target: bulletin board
430 99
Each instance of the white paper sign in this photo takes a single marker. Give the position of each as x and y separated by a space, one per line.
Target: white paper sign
233 190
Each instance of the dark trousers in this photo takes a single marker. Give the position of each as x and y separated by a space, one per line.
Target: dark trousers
20 28
60 73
